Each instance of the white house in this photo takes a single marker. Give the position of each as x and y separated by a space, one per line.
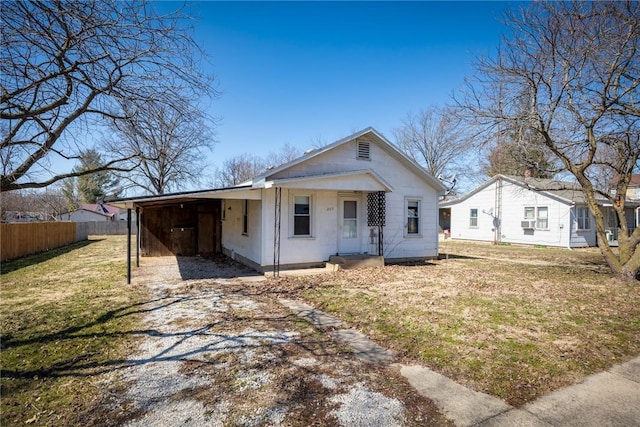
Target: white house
92 212
529 211
359 195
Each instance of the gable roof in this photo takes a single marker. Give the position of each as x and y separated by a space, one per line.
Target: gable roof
368 180
634 181
101 208
563 191
369 132
244 189
91 211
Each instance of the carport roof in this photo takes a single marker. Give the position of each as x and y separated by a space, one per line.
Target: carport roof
239 192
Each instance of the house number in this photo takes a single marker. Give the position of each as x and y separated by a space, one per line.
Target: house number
329 209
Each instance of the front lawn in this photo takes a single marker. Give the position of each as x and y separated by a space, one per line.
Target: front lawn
66 316
516 322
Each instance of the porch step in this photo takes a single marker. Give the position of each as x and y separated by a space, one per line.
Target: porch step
346 262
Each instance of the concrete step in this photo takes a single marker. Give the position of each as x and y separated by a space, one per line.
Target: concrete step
346 262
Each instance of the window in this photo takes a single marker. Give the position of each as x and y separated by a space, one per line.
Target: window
542 221
302 216
582 215
364 150
413 217
529 212
536 216
245 217
349 219
473 217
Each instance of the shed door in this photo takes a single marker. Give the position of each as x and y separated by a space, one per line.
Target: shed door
349 226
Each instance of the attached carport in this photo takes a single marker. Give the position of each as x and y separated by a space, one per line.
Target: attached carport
180 224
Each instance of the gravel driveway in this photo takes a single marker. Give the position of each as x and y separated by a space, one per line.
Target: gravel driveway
223 352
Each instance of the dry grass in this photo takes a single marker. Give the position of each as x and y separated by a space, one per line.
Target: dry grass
66 317
512 321
72 329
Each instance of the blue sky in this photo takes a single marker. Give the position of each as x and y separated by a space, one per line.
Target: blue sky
305 73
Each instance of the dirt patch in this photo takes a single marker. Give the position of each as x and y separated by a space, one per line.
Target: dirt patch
224 352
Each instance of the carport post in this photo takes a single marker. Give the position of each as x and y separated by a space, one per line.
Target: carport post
137 236
128 246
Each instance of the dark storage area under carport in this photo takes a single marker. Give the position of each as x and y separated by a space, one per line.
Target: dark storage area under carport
185 228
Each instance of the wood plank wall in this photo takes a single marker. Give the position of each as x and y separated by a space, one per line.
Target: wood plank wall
19 239
183 229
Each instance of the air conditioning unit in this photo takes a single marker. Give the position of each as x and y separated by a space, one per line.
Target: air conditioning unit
528 225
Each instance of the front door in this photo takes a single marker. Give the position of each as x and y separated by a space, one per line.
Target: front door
349 226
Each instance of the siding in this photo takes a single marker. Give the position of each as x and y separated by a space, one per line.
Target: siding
404 183
233 240
257 247
561 223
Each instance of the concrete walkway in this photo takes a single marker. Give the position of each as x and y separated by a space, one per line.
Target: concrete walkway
363 348
610 398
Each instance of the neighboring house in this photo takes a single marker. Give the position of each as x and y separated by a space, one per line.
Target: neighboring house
359 195
633 190
15 216
93 212
507 209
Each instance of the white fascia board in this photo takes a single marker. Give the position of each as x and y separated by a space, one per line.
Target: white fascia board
374 182
240 193
226 193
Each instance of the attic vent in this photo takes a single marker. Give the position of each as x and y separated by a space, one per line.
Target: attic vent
364 148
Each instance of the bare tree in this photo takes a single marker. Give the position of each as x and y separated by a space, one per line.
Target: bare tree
66 67
44 204
576 67
243 167
434 139
167 141
238 169
285 154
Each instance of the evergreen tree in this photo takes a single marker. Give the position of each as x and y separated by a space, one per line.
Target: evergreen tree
95 187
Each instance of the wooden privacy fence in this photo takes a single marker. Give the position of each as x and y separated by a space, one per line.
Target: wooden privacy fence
106 227
19 239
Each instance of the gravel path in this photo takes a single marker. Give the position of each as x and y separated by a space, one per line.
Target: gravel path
217 352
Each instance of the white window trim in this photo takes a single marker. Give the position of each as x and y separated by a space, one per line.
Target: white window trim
536 217
476 217
588 218
292 213
406 217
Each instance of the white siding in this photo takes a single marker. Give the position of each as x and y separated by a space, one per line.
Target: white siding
233 240
460 215
514 199
258 244
325 240
299 250
84 216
